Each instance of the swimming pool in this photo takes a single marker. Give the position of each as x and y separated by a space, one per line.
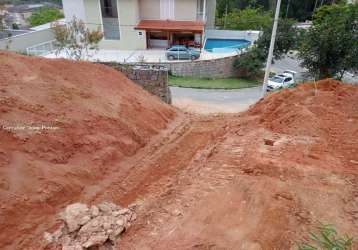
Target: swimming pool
225 45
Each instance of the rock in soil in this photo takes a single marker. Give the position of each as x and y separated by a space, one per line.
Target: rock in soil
95 227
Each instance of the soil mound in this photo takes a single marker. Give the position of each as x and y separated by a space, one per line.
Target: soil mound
326 111
310 109
64 126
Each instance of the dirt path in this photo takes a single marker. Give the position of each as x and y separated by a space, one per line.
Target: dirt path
215 184
256 180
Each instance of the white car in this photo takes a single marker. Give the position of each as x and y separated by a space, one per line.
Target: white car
284 80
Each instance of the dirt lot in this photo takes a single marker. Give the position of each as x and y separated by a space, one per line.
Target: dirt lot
255 180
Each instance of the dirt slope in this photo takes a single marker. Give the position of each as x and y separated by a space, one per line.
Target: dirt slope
93 118
259 180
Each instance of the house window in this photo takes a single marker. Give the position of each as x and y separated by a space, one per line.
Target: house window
167 9
110 19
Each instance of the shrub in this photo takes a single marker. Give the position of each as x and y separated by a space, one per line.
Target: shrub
250 64
76 40
326 239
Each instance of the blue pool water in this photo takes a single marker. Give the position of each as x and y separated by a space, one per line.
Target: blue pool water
225 45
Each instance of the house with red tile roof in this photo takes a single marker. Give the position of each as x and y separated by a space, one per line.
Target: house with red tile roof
144 24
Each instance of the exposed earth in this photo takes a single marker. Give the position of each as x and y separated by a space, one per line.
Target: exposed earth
261 179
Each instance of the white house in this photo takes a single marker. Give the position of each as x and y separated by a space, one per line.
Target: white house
142 24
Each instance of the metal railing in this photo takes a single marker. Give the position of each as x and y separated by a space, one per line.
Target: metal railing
42 49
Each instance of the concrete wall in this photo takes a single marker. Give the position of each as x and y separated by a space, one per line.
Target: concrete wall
74 8
250 35
153 79
215 68
20 43
93 17
149 9
185 10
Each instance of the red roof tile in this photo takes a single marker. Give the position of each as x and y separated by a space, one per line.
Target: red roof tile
169 25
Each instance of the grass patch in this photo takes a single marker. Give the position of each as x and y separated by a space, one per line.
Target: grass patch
225 83
326 238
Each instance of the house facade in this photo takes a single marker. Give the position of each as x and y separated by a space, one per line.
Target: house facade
143 24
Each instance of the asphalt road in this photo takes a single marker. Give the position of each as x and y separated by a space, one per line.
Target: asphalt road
214 101
228 101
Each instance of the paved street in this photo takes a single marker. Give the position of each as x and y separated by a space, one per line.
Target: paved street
228 101
290 63
214 101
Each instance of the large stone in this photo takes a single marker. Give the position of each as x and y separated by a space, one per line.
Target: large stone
107 207
75 246
96 240
75 216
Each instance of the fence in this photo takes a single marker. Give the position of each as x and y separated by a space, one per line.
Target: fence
38 41
42 48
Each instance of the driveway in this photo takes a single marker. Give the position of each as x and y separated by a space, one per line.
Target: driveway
207 101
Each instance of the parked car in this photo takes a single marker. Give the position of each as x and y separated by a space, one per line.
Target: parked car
180 52
284 80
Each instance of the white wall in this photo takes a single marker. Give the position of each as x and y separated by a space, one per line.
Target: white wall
20 43
185 10
149 9
128 12
250 35
73 8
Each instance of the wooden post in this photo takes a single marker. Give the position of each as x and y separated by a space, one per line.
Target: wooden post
147 36
168 37
201 41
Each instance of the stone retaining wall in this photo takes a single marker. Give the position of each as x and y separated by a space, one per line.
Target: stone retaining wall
214 68
152 78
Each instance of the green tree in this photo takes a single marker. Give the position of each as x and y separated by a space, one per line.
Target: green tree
330 46
286 38
44 15
300 10
247 19
251 62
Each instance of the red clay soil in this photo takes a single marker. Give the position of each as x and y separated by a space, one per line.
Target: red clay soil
256 180
94 117
262 179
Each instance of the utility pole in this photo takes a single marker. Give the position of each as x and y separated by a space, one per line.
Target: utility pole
272 46
315 6
226 6
288 7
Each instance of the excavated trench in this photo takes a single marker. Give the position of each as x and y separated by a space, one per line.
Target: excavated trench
260 179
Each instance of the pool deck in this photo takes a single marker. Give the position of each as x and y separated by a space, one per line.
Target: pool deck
135 56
